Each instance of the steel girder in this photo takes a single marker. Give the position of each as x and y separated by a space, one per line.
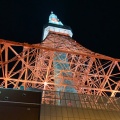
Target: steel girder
25 65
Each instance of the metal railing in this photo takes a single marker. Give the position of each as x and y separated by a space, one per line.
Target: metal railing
80 100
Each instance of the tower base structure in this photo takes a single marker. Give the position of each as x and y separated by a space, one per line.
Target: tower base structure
19 105
75 106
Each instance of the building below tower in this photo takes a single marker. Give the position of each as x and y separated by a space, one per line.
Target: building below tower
79 107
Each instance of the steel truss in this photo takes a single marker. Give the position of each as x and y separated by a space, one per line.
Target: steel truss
25 65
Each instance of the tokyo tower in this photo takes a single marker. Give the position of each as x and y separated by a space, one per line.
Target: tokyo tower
58 63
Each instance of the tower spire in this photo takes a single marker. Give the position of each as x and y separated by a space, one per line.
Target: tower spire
54 20
54 25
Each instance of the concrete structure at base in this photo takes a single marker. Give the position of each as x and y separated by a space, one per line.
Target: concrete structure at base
67 113
79 107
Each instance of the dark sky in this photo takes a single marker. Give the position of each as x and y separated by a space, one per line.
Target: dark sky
95 23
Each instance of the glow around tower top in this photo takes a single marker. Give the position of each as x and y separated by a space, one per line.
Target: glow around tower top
56 26
53 19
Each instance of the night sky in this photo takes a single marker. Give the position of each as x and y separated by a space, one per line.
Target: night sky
95 23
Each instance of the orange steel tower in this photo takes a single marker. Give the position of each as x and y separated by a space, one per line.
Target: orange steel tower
58 63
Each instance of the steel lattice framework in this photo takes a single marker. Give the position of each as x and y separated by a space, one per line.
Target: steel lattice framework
36 66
